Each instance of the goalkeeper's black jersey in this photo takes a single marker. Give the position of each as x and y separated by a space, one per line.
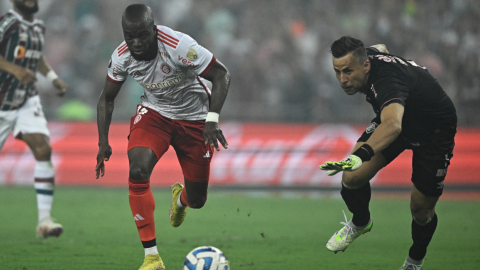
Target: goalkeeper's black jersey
429 112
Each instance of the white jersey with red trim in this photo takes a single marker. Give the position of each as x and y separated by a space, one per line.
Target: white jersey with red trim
171 81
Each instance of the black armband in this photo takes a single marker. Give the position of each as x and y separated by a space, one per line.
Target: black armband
365 152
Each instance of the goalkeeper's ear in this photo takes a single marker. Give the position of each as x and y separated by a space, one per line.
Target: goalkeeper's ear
380 47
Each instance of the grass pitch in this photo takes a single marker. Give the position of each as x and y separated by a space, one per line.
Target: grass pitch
254 232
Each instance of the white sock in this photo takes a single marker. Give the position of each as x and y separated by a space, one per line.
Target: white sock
44 175
179 202
151 251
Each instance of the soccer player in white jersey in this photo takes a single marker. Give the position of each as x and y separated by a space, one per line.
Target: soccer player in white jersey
176 109
21 43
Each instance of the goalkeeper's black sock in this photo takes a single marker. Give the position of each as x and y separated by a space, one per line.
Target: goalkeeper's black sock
357 201
421 236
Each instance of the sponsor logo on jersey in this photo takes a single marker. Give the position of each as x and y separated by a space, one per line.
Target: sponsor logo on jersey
185 61
166 69
371 128
192 54
207 155
441 173
20 52
163 84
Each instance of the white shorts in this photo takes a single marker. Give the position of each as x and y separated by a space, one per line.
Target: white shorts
27 119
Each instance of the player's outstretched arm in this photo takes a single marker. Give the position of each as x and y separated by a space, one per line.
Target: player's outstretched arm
220 78
389 129
25 76
104 118
48 72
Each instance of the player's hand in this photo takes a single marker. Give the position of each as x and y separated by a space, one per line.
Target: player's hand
351 163
60 86
25 76
212 133
103 155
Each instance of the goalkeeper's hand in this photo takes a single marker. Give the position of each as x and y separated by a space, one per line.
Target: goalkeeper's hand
351 163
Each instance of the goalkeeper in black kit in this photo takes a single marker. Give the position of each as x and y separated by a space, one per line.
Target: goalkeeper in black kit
412 112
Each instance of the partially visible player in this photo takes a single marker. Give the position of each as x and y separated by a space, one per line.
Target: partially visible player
176 109
413 112
21 43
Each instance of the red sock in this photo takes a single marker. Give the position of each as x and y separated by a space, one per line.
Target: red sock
142 204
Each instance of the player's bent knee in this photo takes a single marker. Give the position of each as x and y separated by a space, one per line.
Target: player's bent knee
197 203
138 172
42 152
422 215
353 180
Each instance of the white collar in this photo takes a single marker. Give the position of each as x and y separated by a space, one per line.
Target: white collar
21 18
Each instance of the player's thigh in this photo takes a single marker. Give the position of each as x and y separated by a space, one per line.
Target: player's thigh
30 119
144 150
194 156
366 172
7 122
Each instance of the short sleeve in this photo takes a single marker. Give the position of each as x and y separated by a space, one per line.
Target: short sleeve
8 25
390 87
193 55
116 72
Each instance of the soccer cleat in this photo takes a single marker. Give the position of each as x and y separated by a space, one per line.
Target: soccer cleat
47 228
152 262
410 266
177 214
345 236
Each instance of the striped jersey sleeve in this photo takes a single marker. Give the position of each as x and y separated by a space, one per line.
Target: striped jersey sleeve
8 24
185 51
116 71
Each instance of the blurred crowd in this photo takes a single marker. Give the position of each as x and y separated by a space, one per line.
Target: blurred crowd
277 52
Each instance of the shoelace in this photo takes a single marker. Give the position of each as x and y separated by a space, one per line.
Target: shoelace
411 266
348 228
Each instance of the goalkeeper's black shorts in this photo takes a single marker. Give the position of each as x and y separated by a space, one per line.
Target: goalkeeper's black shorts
430 160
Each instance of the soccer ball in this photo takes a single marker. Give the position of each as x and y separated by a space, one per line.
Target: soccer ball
206 258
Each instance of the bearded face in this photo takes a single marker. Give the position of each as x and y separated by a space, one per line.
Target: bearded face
26 6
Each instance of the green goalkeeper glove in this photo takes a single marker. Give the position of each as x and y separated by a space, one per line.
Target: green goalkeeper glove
351 163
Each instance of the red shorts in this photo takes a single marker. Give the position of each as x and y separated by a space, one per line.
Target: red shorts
150 129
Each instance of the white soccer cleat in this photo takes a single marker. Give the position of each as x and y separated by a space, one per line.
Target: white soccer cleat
410 266
342 239
47 228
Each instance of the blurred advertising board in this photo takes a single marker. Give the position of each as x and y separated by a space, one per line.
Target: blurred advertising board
259 154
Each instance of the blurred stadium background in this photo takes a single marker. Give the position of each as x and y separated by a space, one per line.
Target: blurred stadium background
285 113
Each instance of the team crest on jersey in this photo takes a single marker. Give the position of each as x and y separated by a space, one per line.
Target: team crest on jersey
137 119
166 69
192 54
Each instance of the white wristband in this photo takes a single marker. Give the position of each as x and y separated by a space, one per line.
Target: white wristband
51 75
212 117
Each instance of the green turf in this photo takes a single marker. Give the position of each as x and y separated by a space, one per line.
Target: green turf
254 232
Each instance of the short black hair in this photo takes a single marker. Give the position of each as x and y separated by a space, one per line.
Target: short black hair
346 45
138 13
